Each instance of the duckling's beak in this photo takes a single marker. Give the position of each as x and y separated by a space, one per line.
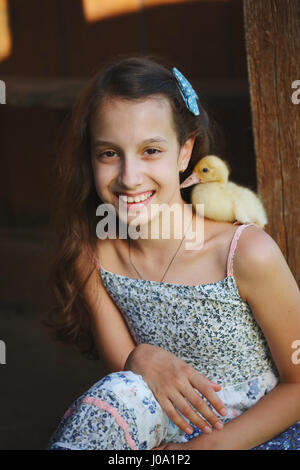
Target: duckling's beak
192 179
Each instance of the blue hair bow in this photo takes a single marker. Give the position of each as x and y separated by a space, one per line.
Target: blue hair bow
188 93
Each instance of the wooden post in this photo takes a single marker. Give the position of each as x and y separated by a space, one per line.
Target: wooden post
272 31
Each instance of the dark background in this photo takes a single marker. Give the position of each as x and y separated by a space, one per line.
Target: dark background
54 51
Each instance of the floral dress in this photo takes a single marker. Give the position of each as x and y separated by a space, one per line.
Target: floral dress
210 327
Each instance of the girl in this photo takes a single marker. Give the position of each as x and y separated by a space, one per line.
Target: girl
199 350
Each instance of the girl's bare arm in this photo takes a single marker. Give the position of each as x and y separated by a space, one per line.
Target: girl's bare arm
112 337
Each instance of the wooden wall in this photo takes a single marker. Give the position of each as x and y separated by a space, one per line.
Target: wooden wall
273 43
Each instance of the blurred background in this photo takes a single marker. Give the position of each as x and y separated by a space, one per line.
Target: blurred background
48 51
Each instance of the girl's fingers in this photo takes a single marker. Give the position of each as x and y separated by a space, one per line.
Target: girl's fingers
174 416
216 387
207 391
209 382
202 407
181 403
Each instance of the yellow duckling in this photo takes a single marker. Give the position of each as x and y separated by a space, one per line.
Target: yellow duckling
223 200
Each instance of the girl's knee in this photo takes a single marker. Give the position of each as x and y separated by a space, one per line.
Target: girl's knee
118 412
122 382
128 388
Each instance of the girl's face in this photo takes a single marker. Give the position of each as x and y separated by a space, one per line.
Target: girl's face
135 153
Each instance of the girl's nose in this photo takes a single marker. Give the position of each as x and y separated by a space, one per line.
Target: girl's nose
130 175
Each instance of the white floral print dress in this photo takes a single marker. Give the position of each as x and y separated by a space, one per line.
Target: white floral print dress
211 328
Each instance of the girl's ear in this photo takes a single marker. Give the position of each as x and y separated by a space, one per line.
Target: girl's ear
186 152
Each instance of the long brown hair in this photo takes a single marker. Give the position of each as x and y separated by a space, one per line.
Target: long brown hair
75 199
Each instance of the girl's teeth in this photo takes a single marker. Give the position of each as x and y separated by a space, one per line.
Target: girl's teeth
135 199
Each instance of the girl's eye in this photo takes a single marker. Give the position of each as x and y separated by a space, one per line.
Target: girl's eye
111 153
107 154
152 151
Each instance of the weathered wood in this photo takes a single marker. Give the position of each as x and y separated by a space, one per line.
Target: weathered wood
272 30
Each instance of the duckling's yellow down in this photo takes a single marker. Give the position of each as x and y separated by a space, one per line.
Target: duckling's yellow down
222 199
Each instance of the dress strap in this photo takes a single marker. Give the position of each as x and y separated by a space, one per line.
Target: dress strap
93 258
233 245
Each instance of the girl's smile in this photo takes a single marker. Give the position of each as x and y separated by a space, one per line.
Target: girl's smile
137 199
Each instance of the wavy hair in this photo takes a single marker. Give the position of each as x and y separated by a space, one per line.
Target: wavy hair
73 219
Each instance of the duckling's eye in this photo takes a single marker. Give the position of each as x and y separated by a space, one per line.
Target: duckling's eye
205 170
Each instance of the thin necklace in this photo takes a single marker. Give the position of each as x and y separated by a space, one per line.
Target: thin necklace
168 267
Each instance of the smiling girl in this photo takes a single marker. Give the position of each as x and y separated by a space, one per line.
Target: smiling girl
197 349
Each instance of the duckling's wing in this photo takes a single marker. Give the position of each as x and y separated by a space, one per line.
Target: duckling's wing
240 211
247 206
216 200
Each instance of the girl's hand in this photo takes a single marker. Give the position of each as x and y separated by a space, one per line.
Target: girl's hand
172 382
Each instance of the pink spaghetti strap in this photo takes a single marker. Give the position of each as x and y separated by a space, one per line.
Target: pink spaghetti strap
93 257
233 245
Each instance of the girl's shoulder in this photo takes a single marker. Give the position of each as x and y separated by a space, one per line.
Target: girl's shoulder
255 246
257 256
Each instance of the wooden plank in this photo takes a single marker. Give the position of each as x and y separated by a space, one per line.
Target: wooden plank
272 30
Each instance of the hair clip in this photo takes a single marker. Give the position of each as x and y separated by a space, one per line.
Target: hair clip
188 93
